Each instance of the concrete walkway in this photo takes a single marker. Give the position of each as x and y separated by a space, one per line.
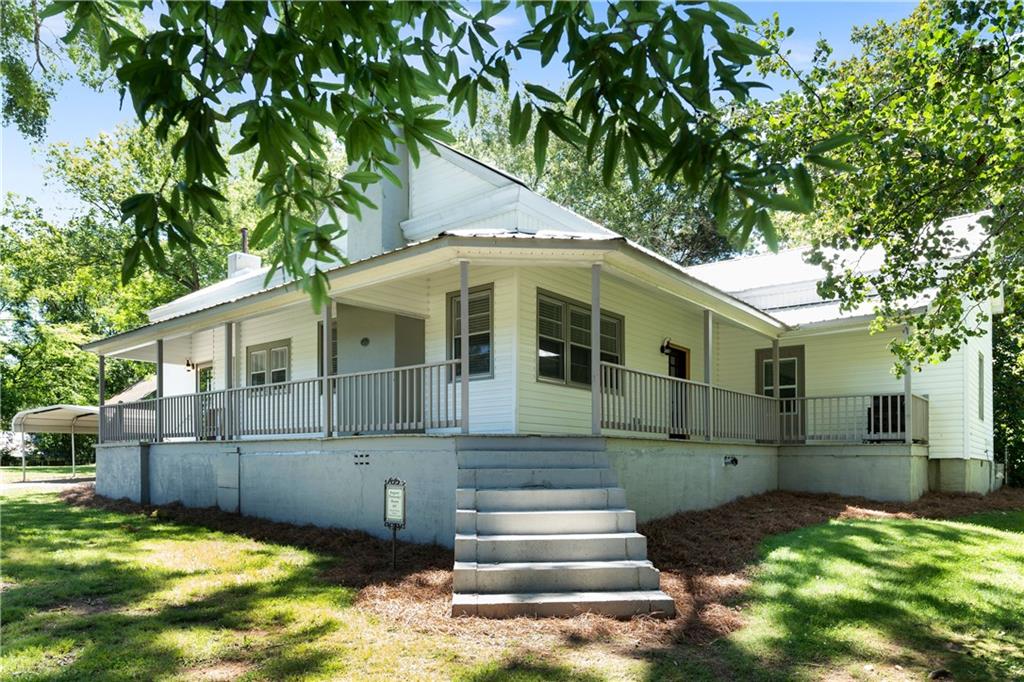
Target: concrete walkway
54 485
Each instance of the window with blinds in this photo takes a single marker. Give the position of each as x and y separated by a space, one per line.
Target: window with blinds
481 331
268 363
563 340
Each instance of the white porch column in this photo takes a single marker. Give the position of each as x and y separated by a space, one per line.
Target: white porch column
776 375
464 340
159 390
102 395
228 378
595 349
325 345
908 399
709 320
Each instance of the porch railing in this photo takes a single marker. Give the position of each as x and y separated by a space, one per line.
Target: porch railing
878 418
644 402
408 399
413 398
648 403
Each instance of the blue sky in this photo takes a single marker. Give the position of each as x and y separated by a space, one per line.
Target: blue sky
80 112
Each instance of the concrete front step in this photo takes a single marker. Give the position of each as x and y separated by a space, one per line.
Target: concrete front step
623 604
540 499
561 547
470 521
530 459
554 576
590 477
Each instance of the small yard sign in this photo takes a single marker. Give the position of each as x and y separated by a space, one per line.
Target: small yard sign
394 503
394 513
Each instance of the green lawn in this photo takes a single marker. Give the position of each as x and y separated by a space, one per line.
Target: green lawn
94 594
12 474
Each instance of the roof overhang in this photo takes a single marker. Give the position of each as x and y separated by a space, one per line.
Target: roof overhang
439 252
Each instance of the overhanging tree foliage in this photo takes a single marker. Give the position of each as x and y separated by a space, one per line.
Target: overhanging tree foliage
933 107
60 280
662 216
34 64
650 86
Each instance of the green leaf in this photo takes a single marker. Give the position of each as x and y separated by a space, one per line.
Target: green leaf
542 93
767 230
833 164
612 144
540 146
731 11
833 142
804 186
362 177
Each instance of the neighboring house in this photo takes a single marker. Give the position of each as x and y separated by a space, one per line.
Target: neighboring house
692 387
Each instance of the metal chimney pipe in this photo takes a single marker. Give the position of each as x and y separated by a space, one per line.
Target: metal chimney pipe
245 240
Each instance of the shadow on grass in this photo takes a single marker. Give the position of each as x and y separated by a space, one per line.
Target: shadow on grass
845 592
524 669
93 618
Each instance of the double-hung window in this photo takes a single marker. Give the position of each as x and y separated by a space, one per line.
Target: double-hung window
268 363
563 340
481 330
787 382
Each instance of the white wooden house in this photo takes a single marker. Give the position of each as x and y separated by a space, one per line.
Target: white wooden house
692 387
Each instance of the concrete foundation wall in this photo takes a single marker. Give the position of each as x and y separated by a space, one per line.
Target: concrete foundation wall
118 472
331 483
878 472
962 476
664 477
339 482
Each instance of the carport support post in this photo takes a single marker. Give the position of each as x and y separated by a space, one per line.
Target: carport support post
159 390
23 453
464 341
776 375
325 346
709 420
73 420
595 349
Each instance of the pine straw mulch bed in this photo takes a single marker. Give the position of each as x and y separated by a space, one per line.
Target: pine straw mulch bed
704 558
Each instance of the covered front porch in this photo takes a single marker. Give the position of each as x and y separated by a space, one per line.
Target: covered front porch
254 369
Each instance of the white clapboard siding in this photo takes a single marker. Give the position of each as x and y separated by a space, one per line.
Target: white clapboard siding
492 400
854 363
734 349
650 317
979 427
437 184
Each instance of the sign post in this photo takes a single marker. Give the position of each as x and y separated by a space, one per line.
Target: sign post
394 513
